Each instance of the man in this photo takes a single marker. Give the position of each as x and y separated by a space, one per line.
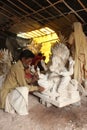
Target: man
16 86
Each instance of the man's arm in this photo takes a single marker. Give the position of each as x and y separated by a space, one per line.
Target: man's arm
20 75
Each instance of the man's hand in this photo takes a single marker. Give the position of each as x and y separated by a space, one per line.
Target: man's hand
34 78
41 89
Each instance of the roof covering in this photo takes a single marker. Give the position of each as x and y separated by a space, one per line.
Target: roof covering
29 15
37 33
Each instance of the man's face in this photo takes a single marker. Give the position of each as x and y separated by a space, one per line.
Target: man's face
26 62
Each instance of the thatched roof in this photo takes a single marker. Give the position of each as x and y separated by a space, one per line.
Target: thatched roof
28 15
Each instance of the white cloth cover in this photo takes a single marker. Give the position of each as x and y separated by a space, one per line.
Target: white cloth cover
17 101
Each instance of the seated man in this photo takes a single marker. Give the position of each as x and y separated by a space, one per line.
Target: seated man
15 84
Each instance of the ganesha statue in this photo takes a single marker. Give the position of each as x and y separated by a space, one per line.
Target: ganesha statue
60 89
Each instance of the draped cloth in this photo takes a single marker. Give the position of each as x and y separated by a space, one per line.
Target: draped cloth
79 39
17 101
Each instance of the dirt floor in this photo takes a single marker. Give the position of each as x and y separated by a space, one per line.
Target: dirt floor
72 117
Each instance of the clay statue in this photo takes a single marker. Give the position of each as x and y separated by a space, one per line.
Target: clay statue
60 88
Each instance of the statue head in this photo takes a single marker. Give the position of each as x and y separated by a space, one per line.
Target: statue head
60 55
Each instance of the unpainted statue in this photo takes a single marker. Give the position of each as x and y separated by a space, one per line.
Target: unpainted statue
60 88
5 64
